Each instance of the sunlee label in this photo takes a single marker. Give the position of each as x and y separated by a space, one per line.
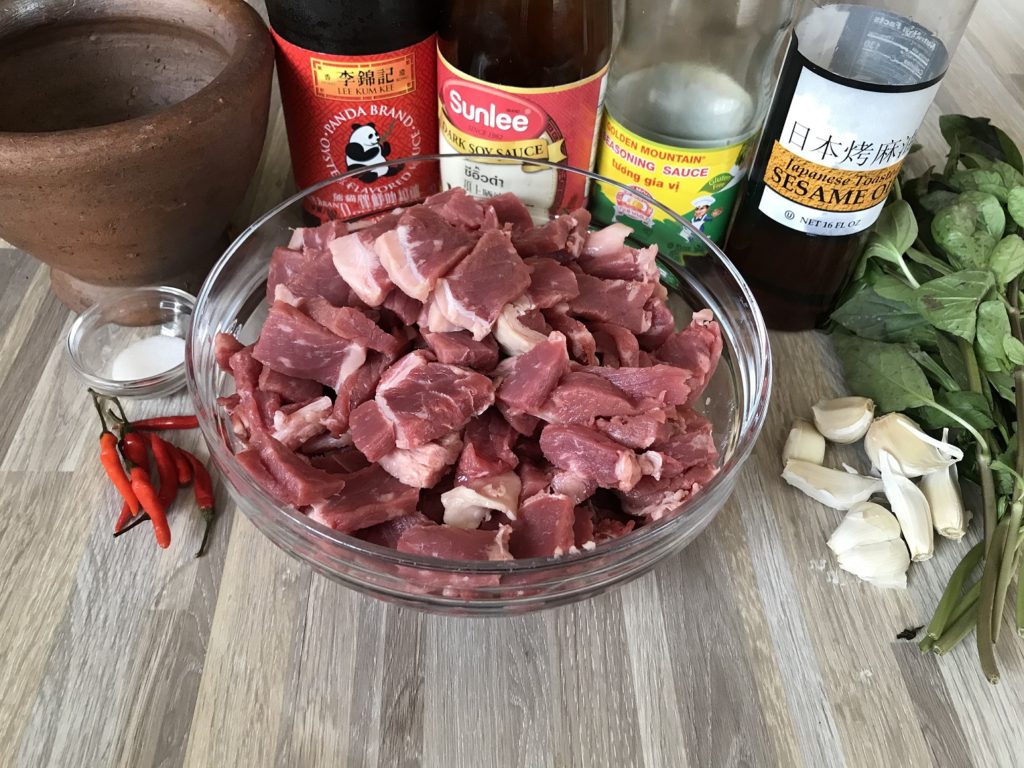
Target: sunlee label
841 148
345 113
557 125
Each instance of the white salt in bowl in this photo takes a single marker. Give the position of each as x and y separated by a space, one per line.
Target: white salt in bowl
233 300
132 343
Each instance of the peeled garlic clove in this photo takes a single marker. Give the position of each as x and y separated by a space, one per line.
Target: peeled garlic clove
882 561
915 452
942 489
833 488
865 523
910 507
845 419
804 443
899 581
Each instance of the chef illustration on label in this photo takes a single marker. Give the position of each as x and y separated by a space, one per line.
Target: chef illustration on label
366 147
702 213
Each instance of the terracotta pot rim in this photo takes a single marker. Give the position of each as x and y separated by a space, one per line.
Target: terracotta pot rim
244 60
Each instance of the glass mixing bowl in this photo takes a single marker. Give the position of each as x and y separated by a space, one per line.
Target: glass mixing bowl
736 400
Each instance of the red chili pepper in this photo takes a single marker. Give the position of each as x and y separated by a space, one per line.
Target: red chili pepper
111 461
133 448
203 489
181 464
166 469
151 503
166 422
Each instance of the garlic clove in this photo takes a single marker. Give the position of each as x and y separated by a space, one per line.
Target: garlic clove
915 452
845 419
942 490
832 487
882 561
865 523
910 507
890 582
804 443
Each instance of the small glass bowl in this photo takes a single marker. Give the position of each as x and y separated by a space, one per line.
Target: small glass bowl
108 327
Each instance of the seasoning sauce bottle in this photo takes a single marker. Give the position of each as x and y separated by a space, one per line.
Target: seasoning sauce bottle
358 86
688 89
522 79
855 86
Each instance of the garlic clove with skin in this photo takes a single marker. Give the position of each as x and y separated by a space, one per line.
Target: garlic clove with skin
865 523
910 507
832 487
942 490
845 419
804 443
915 452
882 562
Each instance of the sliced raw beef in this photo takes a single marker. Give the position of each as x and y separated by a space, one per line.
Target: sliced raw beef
359 388
588 452
609 528
372 432
578 237
583 528
352 324
466 506
460 348
421 249
664 383
614 301
296 481
582 397
491 276
457 208
510 211
582 346
319 237
639 431
295 428
534 320
357 262
534 374
696 348
550 283
371 496
433 320
577 487
387 534
663 323
617 346
341 461
605 255
513 335
487 450
523 423
405 308
246 369
224 346
655 499
544 527
548 238
291 389
425 465
534 479
307 273
448 543
326 443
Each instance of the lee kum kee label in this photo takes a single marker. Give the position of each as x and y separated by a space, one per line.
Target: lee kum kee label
556 125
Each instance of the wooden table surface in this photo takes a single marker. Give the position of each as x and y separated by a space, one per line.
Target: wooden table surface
748 648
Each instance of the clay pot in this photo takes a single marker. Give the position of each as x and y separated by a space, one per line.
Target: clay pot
129 132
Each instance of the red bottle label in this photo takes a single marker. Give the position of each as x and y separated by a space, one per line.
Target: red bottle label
557 124
349 112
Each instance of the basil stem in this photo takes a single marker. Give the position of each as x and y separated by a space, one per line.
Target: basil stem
962 624
986 606
951 595
982 449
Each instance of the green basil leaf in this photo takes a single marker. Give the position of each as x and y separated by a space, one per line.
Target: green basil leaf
949 353
978 135
881 249
874 317
993 327
1015 205
990 211
938 374
963 231
935 201
897 226
1002 383
1010 175
1007 259
950 303
884 372
972 407
979 180
1014 349
893 288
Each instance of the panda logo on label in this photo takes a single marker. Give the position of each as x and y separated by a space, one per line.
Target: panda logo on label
366 147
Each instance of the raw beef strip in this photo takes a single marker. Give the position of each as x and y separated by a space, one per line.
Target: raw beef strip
326 443
534 374
387 534
544 527
511 211
488 446
432 319
425 465
357 262
308 273
254 467
224 346
582 346
581 397
514 336
605 255
297 482
359 388
583 528
614 301
295 428
550 283
352 324
457 208
340 462
666 383
638 431
425 399
577 487
460 348
547 238
588 452
370 497
663 323
448 543
492 275
534 479
696 348
608 528
318 238
578 237
372 432
406 308
246 369
655 499
291 389
618 347
466 506
421 249
534 320
523 423
293 344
